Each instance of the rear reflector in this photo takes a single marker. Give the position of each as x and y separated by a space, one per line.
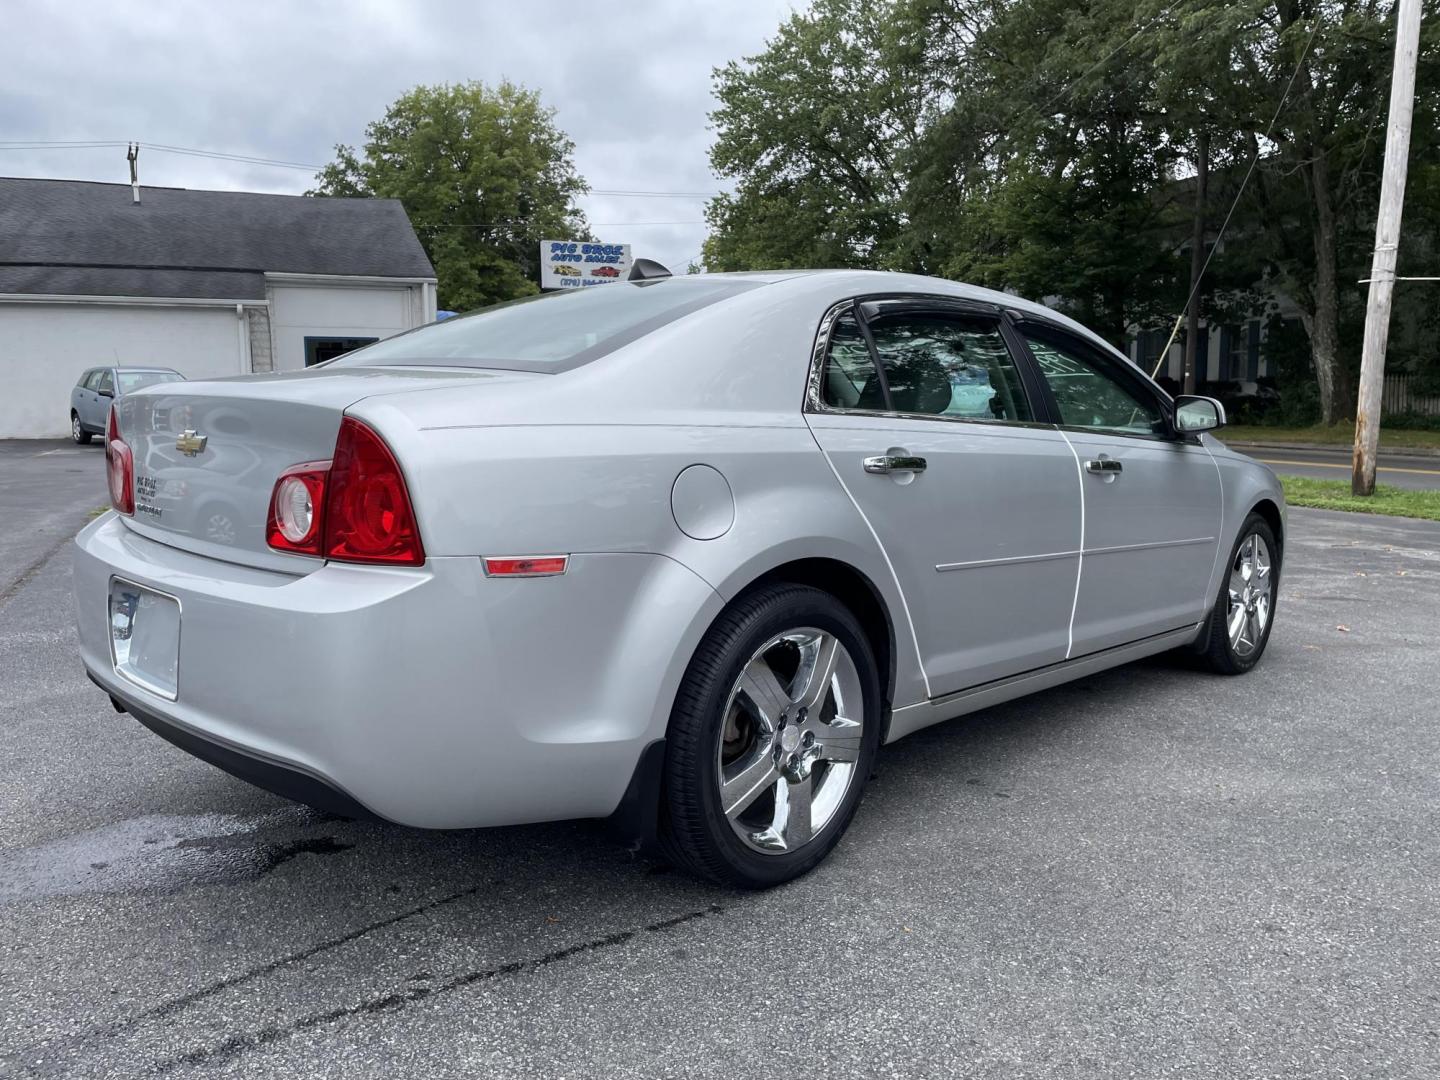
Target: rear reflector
526 565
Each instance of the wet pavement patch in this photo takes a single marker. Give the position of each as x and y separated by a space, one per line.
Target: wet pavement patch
163 853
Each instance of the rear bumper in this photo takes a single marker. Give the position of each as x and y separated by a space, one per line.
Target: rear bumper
432 696
280 779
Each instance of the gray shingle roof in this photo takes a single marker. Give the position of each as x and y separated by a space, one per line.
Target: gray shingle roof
72 237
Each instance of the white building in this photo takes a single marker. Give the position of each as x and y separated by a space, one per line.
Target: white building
209 283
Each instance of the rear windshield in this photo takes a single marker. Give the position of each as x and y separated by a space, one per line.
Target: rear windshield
553 332
134 380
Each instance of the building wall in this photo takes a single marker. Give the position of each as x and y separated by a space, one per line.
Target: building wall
298 311
45 346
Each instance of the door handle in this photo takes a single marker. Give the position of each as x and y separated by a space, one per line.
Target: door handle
888 463
1104 465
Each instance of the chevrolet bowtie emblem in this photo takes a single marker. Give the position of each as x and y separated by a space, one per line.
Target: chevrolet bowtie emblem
190 443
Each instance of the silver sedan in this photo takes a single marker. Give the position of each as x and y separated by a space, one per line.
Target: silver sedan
681 552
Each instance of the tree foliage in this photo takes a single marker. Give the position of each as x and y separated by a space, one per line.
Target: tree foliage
484 174
1048 146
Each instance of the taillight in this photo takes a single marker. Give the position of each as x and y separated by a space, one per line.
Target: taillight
354 508
119 466
297 509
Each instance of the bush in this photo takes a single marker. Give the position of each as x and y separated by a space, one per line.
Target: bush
1410 422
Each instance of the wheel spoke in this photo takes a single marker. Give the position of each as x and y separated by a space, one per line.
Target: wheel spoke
1237 623
840 745
792 811
764 692
742 789
813 684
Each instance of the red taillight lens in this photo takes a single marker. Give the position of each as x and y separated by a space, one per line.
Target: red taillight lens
355 508
119 467
368 517
297 509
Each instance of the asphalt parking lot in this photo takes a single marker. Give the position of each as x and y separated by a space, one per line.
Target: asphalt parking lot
1150 873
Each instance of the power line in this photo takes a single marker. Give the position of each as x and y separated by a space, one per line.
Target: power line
526 224
255 159
1254 160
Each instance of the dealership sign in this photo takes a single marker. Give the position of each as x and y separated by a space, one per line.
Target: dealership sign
573 264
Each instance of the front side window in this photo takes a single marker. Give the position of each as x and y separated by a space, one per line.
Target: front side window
92 380
941 364
1088 390
106 383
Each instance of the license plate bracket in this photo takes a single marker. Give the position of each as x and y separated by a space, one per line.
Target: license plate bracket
145 637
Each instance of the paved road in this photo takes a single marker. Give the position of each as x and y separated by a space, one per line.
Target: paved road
46 486
1151 873
1417 472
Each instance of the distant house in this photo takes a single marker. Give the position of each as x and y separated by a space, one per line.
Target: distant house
210 283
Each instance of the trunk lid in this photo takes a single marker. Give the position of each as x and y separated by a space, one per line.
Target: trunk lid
207 454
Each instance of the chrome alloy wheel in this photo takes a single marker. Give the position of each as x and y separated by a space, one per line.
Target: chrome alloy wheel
1250 593
793 730
75 430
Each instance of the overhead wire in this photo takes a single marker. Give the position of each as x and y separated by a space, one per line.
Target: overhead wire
1254 160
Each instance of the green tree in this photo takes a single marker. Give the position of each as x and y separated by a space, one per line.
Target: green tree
484 174
812 130
1310 208
1047 171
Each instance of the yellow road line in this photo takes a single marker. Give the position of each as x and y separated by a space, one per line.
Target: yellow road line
1332 465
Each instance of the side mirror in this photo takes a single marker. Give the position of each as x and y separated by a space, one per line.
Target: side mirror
1196 414
106 393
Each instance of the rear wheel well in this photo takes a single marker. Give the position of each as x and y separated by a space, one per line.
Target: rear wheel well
856 592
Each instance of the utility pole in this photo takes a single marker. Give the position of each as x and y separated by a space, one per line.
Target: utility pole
1387 242
1197 266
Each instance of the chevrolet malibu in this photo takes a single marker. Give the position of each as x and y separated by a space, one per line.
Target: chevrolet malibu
682 552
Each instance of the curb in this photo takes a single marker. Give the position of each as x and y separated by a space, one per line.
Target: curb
1402 451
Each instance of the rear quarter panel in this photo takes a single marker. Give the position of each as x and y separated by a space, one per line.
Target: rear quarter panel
587 462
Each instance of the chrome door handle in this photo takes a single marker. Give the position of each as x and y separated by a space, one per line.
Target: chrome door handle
1104 465
888 463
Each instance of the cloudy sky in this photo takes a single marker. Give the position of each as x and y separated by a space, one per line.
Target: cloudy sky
288 80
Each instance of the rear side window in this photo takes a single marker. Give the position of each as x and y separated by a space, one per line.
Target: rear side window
548 333
850 381
134 380
949 365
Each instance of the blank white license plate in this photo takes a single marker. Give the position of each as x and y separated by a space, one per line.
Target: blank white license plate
145 637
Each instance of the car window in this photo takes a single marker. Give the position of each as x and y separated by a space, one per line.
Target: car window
548 333
92 379
1089 390
107 382
942 364
849 376
134 380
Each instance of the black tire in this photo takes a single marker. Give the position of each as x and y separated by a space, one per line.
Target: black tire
1220 655
77 430
695 833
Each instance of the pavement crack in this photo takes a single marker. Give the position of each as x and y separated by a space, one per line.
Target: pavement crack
167 1009
28 574
236 1045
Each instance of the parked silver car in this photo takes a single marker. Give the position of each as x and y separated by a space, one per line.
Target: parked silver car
90 398
685 552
